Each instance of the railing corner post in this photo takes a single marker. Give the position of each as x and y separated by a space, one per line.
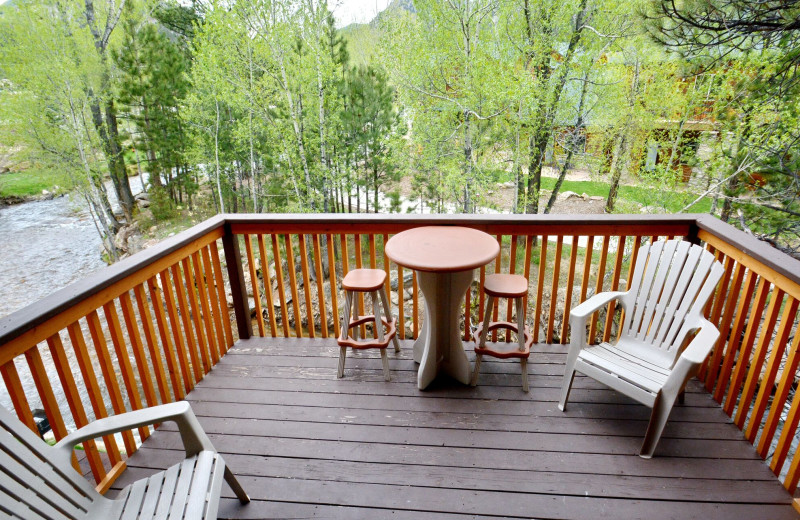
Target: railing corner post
692 235
233 261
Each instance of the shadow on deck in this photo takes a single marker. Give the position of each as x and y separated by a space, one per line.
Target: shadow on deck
305 444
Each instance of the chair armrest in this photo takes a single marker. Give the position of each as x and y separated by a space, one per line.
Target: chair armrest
194 438
594 303
697 350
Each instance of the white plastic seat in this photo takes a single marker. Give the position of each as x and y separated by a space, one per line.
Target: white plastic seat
651 362
37 481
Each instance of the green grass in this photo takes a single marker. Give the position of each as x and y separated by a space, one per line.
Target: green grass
32 182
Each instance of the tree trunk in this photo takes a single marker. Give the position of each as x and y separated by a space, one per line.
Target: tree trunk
216 157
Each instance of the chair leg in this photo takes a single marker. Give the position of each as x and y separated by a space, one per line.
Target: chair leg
523 365
385 361
486 318
566 385
658 419
376 311
388 312
520 323
476 370
235 486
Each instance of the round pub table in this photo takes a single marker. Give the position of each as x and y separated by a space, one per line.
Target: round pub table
445 258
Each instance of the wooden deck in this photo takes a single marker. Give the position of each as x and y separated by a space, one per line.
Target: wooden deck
305 444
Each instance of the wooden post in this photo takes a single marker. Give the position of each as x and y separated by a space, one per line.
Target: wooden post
233 262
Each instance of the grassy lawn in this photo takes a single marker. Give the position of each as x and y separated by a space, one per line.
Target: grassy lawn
32 182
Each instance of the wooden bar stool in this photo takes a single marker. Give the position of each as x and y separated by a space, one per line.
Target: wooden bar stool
504 286
366 281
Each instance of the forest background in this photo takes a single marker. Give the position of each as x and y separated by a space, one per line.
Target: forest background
267 106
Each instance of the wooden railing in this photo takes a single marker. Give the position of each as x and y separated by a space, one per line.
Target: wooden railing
282 273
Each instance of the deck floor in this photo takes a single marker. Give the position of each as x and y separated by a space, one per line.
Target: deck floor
306 444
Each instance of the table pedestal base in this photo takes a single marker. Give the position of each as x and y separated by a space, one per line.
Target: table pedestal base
439 346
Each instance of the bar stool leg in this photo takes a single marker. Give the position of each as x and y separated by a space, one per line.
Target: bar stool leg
482 342
388 311
476 370
385 361
345 332
523 363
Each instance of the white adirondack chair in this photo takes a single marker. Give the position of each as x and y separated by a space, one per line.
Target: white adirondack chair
651 363
37 481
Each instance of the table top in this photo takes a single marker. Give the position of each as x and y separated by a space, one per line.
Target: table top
442 248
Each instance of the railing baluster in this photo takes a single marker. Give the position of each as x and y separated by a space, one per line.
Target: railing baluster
554 288
360 265
265 273
45 390
92 387
177 337
298 326
777 409
323 311
138 350
601 273
735 336
724 328
183 305
211 291
74 402
166 342
767 383
573 258
118 340
587 268
757 360
223 301
276 256
540 288
17 394
109 376
191 286
152 344
614 286
512 269
527 272
753 324
306 286
199 279
719 298
333 285
251 265
373 263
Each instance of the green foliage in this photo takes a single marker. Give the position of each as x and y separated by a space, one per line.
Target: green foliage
161 204
32 182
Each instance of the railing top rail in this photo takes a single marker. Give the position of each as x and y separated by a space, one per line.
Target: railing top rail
27 318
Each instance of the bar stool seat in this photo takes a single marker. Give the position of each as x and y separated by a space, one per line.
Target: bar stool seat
370 281
504 286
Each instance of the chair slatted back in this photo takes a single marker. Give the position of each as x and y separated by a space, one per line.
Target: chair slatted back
672 281
34 484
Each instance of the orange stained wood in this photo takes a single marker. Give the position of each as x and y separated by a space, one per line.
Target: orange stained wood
74 402
109 375
262 252
152 343
724 327
307 287
45 391
323 314
554 288
251 265
540 288
41 332
183 305
719 302
166 342
757 361
197 318
138 350
735 336
223 305
573 258
373 260
276 256
587 268
614 286
17 395
743 358
202 290
781 394
124 362
601 272
298 328
359 265
512 269
793 474
527 269
216 308
442 248
92 388
105 484
333 286
175 327
773 365
793 417
364 280
497 269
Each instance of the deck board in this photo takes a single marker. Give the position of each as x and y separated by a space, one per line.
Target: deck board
306 444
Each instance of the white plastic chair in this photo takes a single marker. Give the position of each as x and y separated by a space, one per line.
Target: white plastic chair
38 481
651 363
